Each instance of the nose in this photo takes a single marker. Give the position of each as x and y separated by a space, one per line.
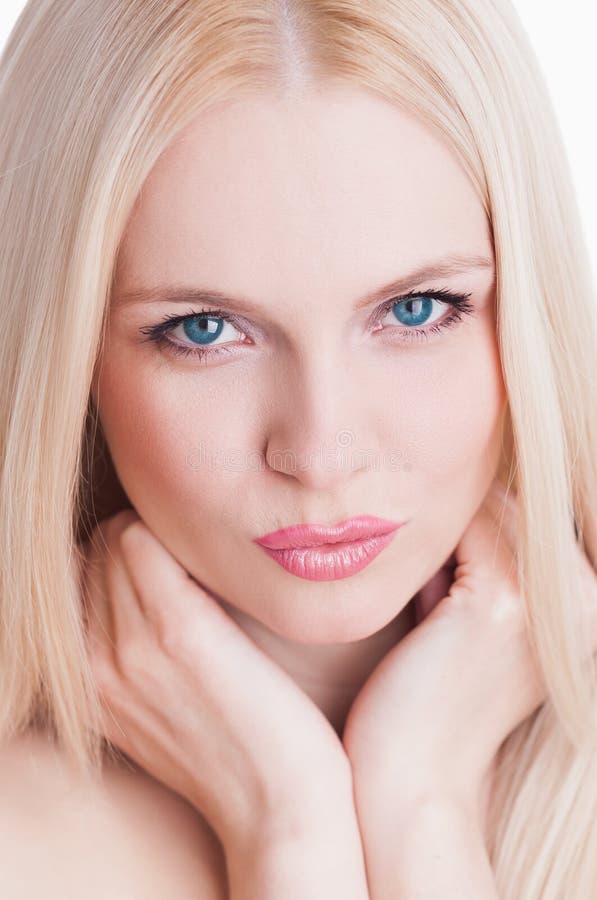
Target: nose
318 430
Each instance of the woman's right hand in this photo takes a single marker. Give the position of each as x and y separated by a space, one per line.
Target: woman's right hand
189 697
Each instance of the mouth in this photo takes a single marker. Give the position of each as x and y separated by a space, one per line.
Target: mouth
324 553
302 536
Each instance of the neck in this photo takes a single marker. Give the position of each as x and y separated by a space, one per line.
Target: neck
330 674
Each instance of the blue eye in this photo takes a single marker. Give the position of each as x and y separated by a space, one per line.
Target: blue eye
203 329
411 311
424 308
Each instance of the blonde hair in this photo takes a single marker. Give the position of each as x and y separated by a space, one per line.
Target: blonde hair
91 93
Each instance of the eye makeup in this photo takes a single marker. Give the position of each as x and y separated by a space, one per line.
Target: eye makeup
458 305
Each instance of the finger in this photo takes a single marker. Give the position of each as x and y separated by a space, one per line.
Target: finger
100 630
499 517
167 596
485 548
503 505
128 618
188 620
97 616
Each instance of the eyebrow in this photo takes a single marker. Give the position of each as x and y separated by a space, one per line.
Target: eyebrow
452 265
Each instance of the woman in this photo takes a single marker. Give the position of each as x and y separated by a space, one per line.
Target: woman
297 264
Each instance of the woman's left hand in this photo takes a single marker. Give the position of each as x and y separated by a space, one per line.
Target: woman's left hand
431 717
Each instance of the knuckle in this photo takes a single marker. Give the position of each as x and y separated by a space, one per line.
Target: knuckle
491 603
507 613
506 607
128 532
109 531
131 541
122 519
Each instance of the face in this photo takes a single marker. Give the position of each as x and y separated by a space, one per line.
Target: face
305 392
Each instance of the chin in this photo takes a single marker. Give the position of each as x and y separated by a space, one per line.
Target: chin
333 621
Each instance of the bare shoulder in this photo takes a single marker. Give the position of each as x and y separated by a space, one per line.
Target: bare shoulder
128 838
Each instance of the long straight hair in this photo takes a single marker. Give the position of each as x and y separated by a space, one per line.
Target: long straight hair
91 93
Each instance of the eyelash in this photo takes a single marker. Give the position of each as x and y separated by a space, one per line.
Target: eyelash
158 333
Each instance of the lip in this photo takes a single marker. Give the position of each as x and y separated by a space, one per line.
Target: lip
358 528
328 562
323 553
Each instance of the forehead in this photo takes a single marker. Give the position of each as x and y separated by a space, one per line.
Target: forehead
337 186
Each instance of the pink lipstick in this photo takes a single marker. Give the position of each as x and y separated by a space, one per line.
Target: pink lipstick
324 552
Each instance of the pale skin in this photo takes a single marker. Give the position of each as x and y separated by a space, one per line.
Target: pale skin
303 720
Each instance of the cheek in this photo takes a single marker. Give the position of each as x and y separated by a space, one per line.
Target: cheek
449 416
450 428
171 444
178 441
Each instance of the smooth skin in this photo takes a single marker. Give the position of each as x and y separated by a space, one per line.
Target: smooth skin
257 758
305 720
326 198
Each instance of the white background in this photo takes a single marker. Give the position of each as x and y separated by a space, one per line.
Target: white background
564 41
